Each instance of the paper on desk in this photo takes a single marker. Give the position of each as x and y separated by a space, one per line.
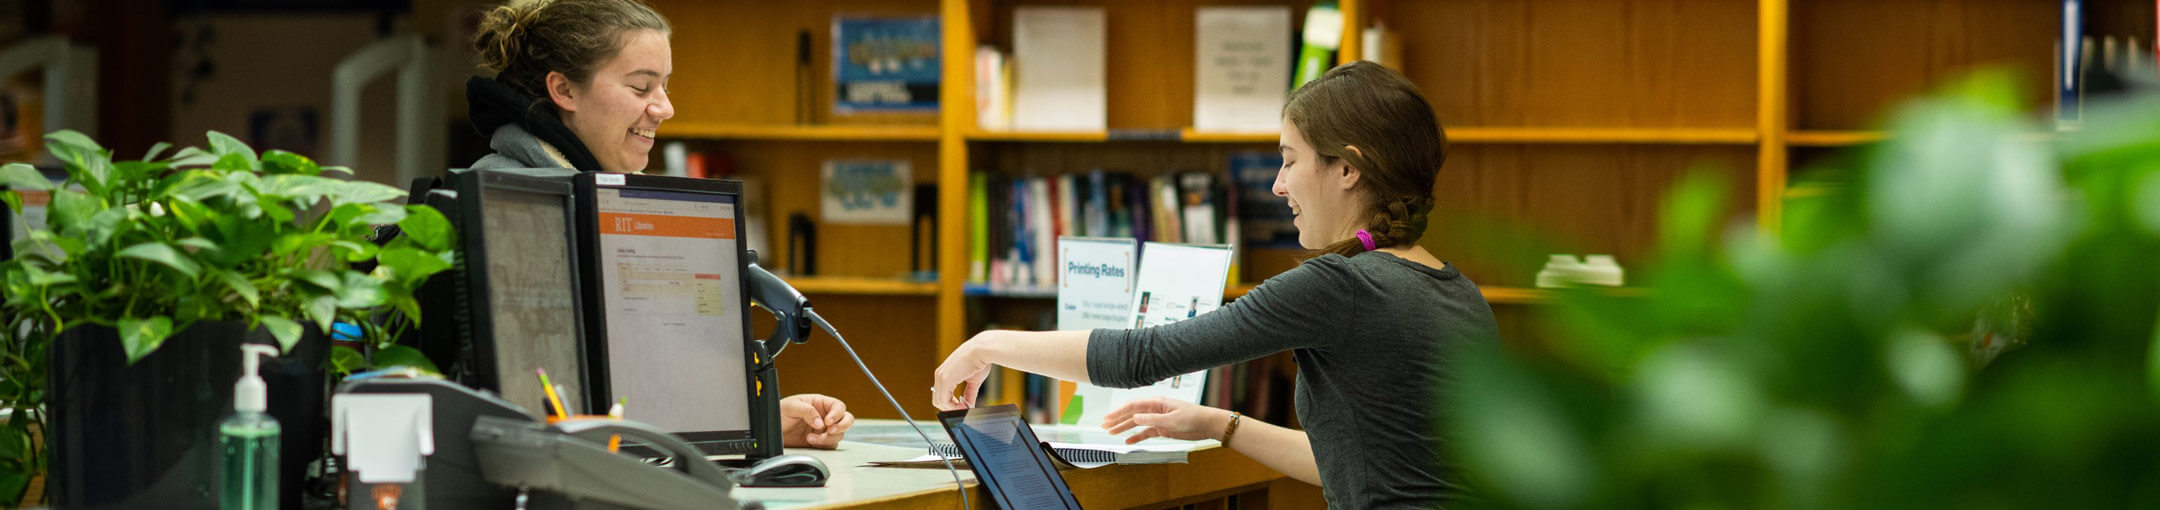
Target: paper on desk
931 460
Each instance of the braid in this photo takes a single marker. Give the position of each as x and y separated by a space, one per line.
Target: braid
1395 222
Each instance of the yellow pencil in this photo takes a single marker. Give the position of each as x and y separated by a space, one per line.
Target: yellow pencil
553 399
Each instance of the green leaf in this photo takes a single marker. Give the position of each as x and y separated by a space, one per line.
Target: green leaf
87 163
233 163
361 291
192 157
352 251
240 285
344 360
163 254
328 281
306 188
285 330
427 226
323 309
299 243
13 201
137 172
402 356
409 266
228 147
155 149
22 176
281 162
70 209
140 336
276 212
197 243
364 191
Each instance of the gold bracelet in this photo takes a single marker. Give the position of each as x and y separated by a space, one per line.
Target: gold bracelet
1231 429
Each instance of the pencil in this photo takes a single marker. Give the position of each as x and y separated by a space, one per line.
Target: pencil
615 441
553 399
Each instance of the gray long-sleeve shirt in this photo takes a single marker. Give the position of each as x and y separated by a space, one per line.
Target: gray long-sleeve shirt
1374 336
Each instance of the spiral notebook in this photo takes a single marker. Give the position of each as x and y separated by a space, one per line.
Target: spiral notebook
1082 455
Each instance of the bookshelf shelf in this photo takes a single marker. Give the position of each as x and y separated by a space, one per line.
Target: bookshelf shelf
1184 135
826 132
1681 136
1851 138
1833 138
861 285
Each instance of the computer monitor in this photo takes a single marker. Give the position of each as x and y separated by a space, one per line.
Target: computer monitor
668 310
513 302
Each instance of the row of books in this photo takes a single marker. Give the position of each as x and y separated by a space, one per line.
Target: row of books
1013 221
2087 64
1246 59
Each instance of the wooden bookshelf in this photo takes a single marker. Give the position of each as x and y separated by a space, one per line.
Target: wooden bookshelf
1832 138
823 133
1542 135
1569 119
864 286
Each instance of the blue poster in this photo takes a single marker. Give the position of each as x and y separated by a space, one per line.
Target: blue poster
886 64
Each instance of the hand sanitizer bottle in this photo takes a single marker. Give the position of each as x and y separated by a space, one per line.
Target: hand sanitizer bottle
248 441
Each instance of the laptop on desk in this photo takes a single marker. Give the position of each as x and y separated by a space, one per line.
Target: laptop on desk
1007 458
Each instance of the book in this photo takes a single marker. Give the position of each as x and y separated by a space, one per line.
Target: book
1264 219
1241 68
867 191
993 89
1323 34
2069 58
1058 69
1382 46
886 64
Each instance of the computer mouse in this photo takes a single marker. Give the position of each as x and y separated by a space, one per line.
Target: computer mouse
784 471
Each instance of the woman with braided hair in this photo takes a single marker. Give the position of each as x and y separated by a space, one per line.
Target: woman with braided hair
1375 321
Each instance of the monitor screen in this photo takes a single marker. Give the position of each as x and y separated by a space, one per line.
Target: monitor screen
521 262
671 295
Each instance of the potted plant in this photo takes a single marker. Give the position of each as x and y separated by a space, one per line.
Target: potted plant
121 319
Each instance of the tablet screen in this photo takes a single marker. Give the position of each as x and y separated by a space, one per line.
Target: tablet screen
1007 458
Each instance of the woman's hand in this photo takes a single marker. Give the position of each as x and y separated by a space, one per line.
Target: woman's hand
964 370
1163 417
814 421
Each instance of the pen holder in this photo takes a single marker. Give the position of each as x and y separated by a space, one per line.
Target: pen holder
613 443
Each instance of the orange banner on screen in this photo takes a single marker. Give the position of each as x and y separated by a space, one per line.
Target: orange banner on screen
667 226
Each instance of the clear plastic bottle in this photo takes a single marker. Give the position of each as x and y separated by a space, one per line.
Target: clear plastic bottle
248 441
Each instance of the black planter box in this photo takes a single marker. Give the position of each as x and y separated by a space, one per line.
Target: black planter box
145 436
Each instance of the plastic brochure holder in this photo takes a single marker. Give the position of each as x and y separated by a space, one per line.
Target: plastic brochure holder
571 465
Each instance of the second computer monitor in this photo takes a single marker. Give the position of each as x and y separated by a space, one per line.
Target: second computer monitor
667 305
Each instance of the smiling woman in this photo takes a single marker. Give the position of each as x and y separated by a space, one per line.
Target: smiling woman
579 84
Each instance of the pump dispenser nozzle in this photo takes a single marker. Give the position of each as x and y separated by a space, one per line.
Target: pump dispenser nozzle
250 394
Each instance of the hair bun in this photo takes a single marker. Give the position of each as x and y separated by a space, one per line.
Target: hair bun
502 35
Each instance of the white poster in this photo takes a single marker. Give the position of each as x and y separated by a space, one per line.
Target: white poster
1096 287
1175 282
868 191
1242 68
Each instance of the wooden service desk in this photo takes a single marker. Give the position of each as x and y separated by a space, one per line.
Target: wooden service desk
1211 476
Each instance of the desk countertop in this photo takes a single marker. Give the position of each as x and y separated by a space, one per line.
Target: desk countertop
1210 471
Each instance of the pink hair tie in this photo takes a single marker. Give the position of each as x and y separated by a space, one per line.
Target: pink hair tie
1366 237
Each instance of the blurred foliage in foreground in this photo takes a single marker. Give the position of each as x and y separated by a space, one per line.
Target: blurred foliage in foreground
1969 322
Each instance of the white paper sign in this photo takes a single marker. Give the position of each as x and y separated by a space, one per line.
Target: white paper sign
1175 282
1058 62
1242 68
1095 287
868 191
